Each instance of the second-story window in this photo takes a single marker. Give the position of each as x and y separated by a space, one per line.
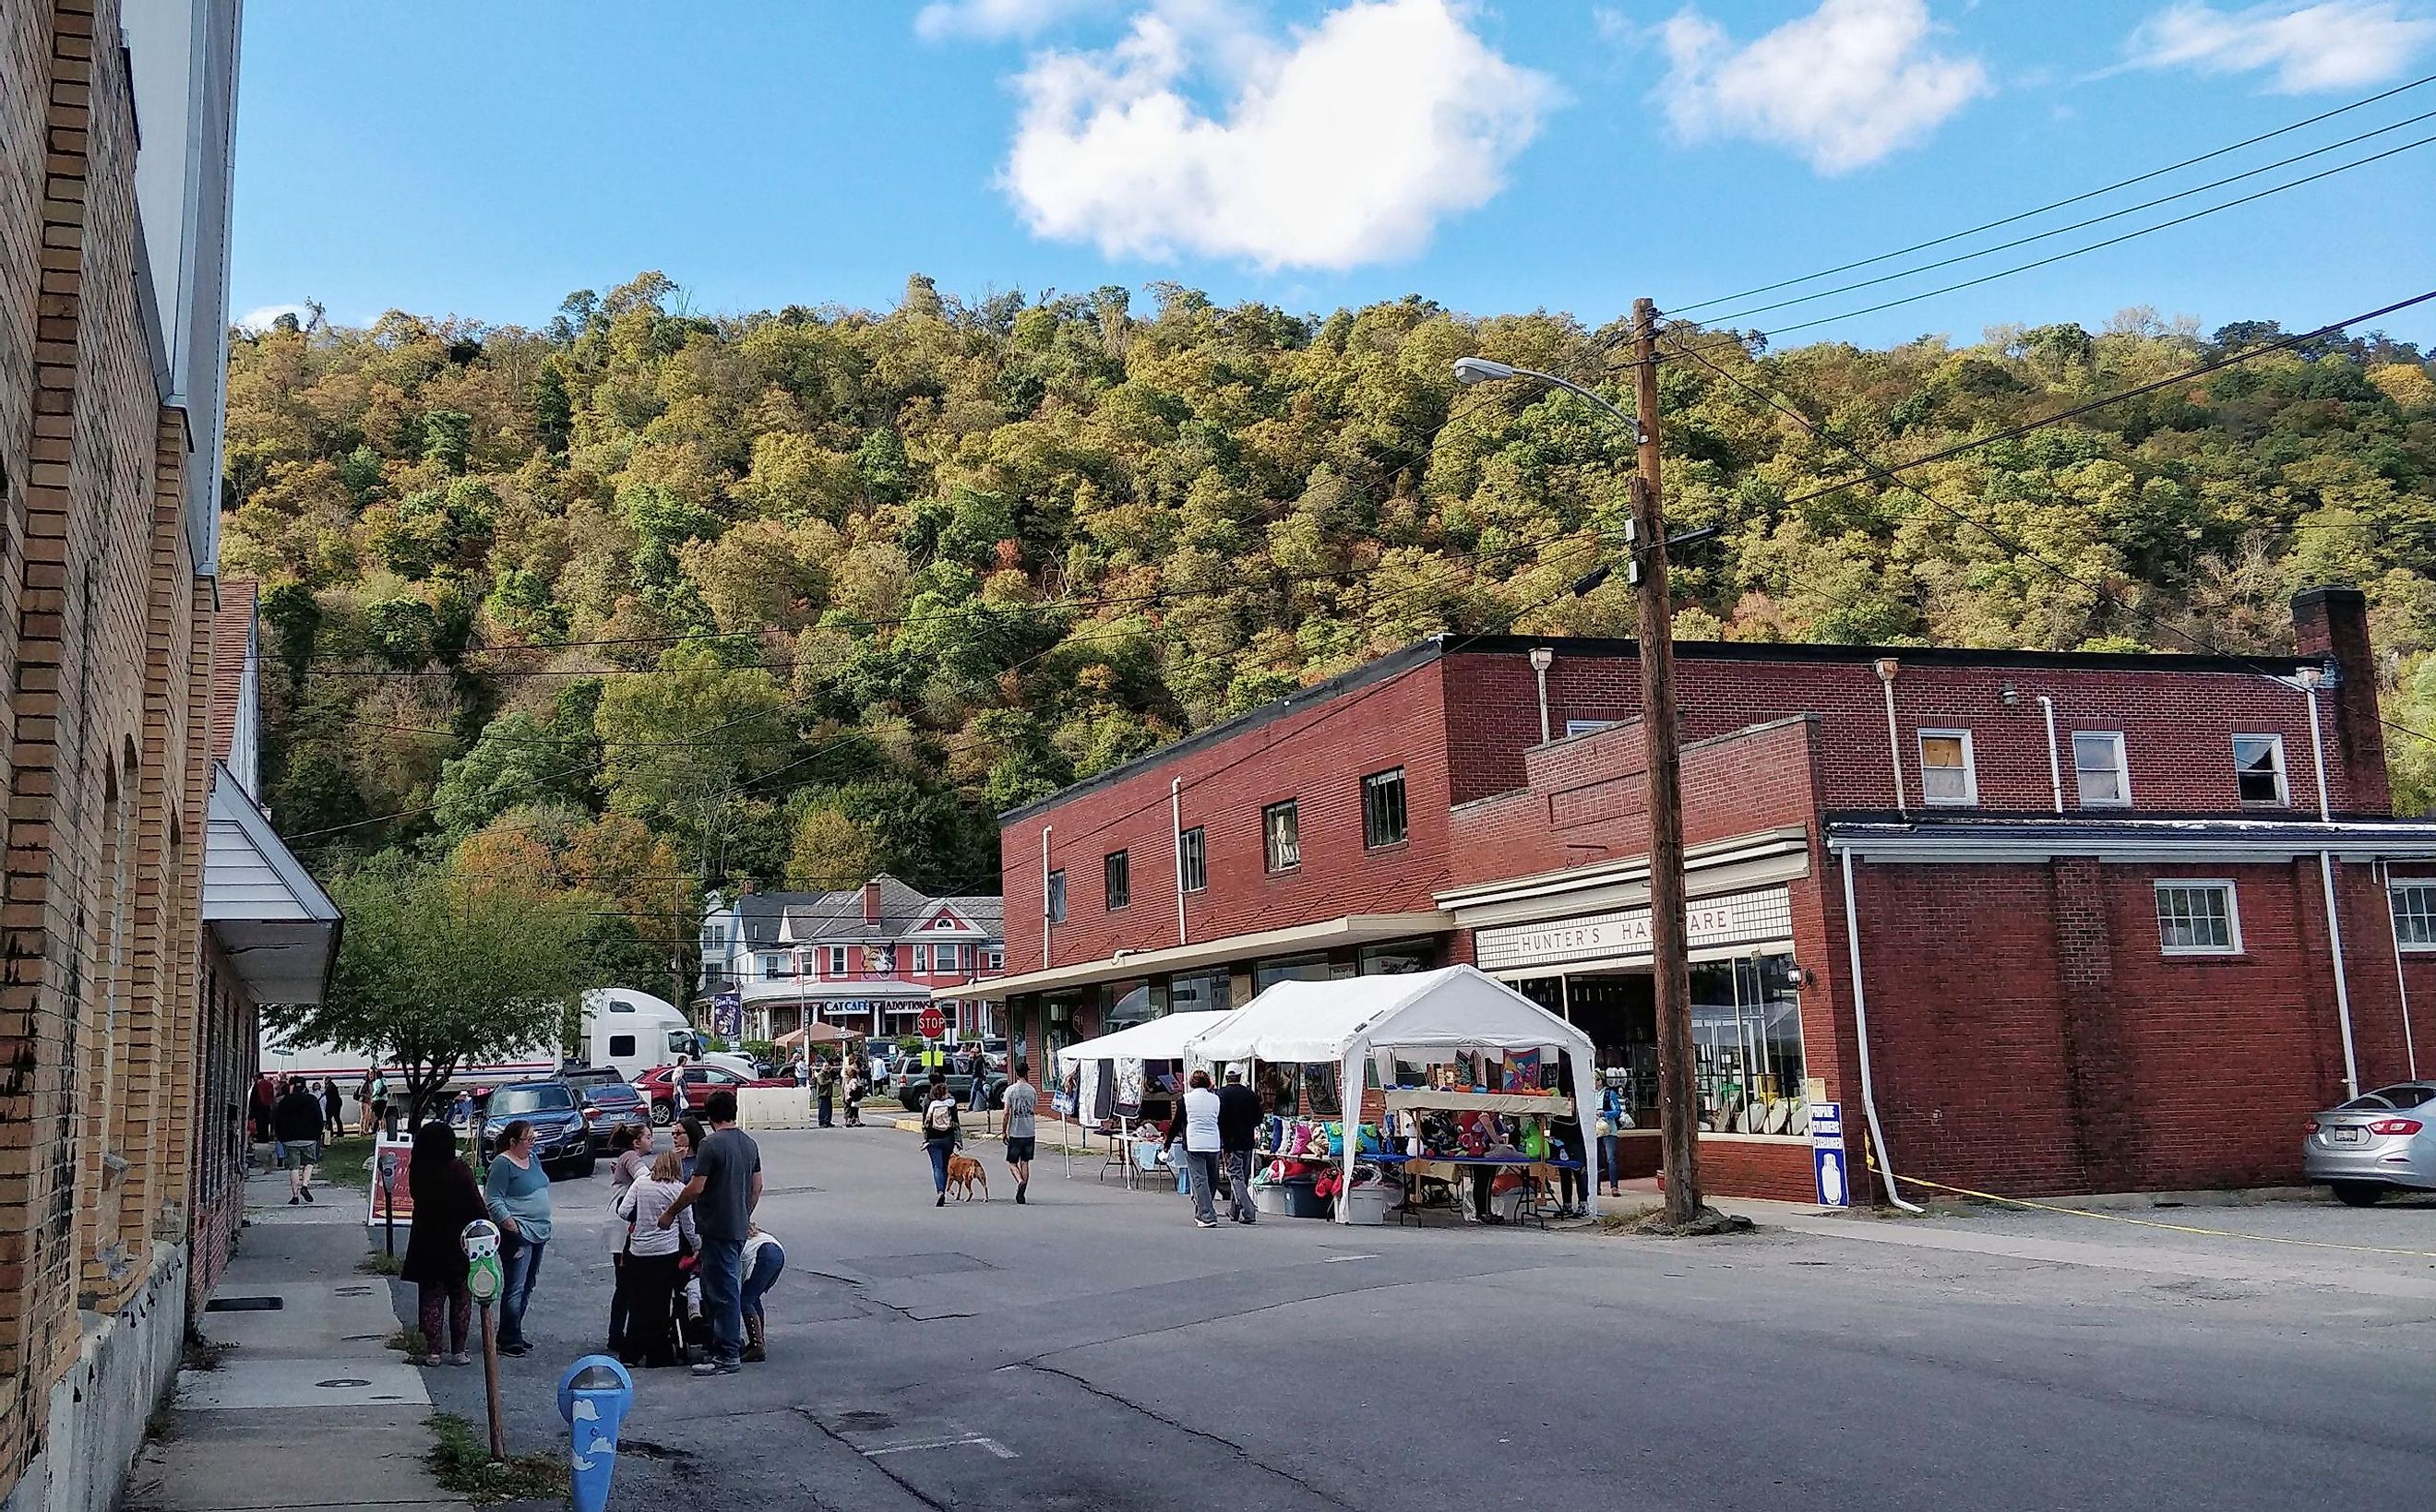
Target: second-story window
942 955
1193 859
838 967
921 960
1056 897
1945 775
773 966
2258 768
2098 766
1282 836
1117 871
1383 808
997 959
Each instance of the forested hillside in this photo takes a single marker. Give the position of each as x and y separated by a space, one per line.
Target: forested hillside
650 598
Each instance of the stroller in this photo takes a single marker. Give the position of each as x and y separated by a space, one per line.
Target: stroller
688 1333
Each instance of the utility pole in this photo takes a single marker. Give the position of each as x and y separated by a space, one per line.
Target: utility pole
1678 1101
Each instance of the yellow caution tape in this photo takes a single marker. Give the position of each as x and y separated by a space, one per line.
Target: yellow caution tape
2151 1222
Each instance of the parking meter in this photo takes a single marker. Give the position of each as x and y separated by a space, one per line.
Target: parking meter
593 1397
482 1244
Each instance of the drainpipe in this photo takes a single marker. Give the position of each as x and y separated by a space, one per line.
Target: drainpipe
2055 762
1045 830
2309 682
1887 668
1175 823
1861 1031
2402 983
1542 657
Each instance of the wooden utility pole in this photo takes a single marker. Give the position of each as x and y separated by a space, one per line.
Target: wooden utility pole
1678 1101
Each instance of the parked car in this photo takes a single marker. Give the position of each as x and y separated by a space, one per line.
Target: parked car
665 1087
913 1089
2377 1142
607 1102
562 1142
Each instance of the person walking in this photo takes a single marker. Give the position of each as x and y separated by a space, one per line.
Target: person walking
1203 1147
941 1131
264 1102
726 1186
1239 1124
824 1087
518 1189
446 1200
379 1095
1022 1107
855 1085
297 1121
981 1088
630 1158
334 1107
651 1267
764 1258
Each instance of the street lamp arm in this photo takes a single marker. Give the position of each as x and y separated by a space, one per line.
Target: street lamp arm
1481 370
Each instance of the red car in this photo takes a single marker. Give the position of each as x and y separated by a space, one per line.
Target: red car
662 1084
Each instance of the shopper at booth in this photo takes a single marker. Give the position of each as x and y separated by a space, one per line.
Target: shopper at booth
1203 1147
1239 1124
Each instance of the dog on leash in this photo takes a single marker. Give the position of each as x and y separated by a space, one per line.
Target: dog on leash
964 1173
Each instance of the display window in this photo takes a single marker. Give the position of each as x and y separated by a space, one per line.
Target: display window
1746 1044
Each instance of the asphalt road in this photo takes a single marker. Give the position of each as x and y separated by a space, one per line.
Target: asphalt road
1094 1349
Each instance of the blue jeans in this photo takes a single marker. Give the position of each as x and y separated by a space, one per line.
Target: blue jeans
764 1275
940 1150
722 1302
519 1267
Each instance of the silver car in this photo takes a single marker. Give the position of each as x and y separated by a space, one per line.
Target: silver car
2377 1142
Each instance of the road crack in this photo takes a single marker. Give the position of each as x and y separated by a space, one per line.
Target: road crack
1220 1440
902 1484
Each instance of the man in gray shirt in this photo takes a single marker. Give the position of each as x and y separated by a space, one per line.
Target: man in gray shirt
1021 1103
725 1188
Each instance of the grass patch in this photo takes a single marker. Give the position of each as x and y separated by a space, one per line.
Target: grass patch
1625 1220
381 1263
204 1354
459 1460
345 1163
404 1340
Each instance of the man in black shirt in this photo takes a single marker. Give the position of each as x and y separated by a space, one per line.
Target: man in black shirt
297 1121
1238 1120
725 1188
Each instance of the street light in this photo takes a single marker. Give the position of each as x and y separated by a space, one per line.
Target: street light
1669 950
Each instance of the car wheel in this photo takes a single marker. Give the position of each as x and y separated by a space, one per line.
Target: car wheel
662 1116
2358 1193
910 1105
583 1169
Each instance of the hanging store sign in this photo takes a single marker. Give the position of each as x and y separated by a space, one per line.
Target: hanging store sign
1745 918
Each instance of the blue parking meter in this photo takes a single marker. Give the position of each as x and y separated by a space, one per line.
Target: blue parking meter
593 1397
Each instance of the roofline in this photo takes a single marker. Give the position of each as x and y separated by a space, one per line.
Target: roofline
2228 838
1816 653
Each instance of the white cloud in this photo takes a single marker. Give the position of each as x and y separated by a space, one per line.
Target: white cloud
1843 86
2336 45
259 319
943 19
1344 144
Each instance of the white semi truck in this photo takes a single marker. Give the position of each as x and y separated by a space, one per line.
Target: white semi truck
622 1027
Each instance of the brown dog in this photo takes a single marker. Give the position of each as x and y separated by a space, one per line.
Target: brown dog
963 1173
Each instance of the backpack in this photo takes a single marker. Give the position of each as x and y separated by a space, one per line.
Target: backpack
941 1119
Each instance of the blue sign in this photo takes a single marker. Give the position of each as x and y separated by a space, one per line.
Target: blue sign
593 1397
728 1013
1827 1158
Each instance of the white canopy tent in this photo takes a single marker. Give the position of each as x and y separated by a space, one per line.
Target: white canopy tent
1349 1021
1154 1040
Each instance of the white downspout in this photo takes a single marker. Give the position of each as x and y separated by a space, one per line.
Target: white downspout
1886 667
2055 762
2327 879
1861 1034
2401 984
1175 823
1045 832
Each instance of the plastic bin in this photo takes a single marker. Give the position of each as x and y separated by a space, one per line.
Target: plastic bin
1302 1201
1368 1205
1270 1199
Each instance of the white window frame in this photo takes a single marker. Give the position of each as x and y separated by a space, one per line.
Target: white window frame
2282 798
921 967
2122 770
942 957
772 967
840 964
2394 884
2232 915
1970 768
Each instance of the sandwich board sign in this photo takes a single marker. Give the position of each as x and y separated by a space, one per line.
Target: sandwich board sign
1827 1158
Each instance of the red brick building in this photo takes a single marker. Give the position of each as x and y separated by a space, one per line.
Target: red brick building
2088 932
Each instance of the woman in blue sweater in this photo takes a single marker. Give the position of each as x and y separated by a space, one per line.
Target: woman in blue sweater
518 1189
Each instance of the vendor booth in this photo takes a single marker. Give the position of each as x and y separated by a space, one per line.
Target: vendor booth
1469 1075
1108 1080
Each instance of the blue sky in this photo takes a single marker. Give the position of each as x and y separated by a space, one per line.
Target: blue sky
484 159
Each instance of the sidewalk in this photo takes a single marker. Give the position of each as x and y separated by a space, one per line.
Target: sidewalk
308 1407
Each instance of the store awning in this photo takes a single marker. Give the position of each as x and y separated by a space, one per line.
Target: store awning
2227 838
278 927
1354 928
853 994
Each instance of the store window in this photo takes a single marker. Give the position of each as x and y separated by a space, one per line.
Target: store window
1129 1003
1117 874
1193 861
1282 836
1945 775
2258 768
1395 960
1746 1044
1198 992
2098 766
2415 913
1267 974
1056 903
1383 808
2198 919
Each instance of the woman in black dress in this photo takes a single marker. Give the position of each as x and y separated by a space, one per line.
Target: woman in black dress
446 1198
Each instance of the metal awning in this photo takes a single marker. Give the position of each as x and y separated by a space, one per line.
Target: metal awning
278 927
1354 928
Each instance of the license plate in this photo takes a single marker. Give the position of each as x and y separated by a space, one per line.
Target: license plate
2348 1136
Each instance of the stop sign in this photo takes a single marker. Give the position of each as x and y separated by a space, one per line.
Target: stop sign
935 1023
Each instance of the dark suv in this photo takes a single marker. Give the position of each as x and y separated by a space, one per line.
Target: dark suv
560 1141
606 1101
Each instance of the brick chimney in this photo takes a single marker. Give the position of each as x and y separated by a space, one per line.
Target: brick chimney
871 896
2331 624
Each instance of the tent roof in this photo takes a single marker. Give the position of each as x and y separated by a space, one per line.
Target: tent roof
1153 1039
817 1033
1456 1008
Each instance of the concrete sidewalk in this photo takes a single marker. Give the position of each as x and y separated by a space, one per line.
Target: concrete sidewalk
307 1407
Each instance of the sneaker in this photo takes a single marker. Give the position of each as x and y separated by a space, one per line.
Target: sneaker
460 1358
942 1201
517 1350
1204 1222
718 1367
293 1199
1019 1190
309 1194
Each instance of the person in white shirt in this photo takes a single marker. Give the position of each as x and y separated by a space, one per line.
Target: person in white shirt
1203 1147
651 1260
764 1258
